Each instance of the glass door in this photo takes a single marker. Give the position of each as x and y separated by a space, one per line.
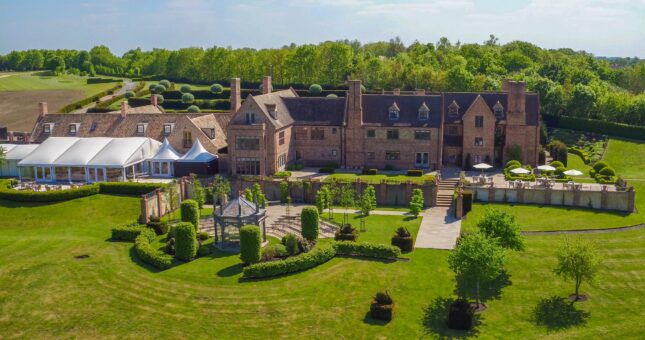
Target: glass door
422 160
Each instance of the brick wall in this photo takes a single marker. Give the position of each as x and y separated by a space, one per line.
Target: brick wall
471 132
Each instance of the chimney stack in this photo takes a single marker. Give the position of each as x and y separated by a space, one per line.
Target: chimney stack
153 100
266 85
42 107
419 92
236 95
124 108
396 91
355 104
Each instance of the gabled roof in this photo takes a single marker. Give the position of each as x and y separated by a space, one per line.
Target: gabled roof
239 207
197 154
47 152
125 151
166 152
376 109
316 110
82 151
18 151
276 98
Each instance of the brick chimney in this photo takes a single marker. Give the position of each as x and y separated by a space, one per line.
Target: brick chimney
354 153
396 91
236 95
419 92
266 85
516 106
153 100
42 109
124 108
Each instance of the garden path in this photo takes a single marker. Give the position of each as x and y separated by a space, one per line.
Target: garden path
439 229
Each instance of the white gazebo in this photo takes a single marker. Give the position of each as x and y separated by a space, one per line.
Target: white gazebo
161 164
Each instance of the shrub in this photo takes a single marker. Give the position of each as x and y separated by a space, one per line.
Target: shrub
159 89
160 99
160 227
513 163
282 174
48 196
204 250
315 89
582 153
295 167
290 243
460 315
129 94
190 212
403 239
187 98
149 254
370 171
165 83
607 171
127 233
203 236
193 109
284 191
415 173
382 307
250 243
316 257
346 233
326 170
128 188
273 251
557 164
599 165
375 250
309 220
416 202
185 241
217 88
332 96
185 89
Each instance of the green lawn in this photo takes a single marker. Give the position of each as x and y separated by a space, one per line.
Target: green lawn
378 178
46 292
30 81
575 162
627 158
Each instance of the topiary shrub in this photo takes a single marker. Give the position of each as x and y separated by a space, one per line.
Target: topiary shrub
309 220
190 212
203 236
204 250
346 233
129 94
367 249
557 164
160 227
332 96
187 98
382 307
159 89
273 251
185 241
403 239
513 163
250 244
128 188
48 196
165 83
460 315
193 109
217 88
148 254
128 232
315 89
317 256
599 165
290 242
415 173
160 99
607 171
185 89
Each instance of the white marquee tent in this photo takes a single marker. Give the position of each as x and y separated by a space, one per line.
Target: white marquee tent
14 153
161 164
196 161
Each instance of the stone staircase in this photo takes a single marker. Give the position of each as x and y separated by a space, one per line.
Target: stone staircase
445 192
284 225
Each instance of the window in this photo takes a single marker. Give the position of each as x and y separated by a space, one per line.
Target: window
247 166
167 129
187 140
141 129
334 152
298 155
422 135
393 112
392 155
250 118
281 138
370 155
317 134
371 133
453 109
452 130
392 134
93 127
498 109
334 130
479 121
247 143
47 128
282 160
72 129
424 112
477 159
479 141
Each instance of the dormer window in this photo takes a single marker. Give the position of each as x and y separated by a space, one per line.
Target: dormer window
250 118
167 129
393 112
424 112
498 109
273 110
47 128
141 129
453 109
73 128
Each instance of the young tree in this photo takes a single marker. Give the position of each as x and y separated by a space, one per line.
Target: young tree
477 258
501 226
173 196
346 195
221 188
368 200
577 260
198 192
321 199
259 195
416 202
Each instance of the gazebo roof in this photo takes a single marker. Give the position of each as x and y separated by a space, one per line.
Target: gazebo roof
239 207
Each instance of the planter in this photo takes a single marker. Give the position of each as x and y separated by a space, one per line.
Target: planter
404 243
381 312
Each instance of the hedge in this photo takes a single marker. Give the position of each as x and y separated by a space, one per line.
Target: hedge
415 172
317 256
148 253
598 126
190 212
102 80
309 222
250 244
185 241
376 250
105 106
128 188
128 232
582 153
369 171
48 196
79 104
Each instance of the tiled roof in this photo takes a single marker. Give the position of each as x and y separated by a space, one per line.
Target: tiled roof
275 98
376 106
316 110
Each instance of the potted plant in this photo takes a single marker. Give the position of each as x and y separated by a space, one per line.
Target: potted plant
403 239
382 307
346 233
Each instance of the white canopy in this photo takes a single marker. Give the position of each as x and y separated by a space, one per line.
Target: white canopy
18 151
197 154
47 152
546 168
122 152
7 147
573 172
82 151
166 152
482 166
520 171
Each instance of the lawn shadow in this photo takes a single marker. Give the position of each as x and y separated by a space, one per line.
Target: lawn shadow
490 290
408 218
435 320
557 313
371 321
229 271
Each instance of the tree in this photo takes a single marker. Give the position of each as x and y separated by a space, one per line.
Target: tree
221 188
187 98
368 200
416 202
165 83
250 244
315 89
321 199
193 109
346 196
198 192
185 89
501 226
254 194
577 260
477 258
217 88
185 241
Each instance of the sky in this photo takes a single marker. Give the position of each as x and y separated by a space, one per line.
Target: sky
602 27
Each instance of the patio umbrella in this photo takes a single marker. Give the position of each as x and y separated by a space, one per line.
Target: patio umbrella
546 168
573 172
482 166
520 171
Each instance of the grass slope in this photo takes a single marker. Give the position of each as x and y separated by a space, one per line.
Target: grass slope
30 82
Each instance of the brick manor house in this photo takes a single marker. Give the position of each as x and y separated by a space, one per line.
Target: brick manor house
394 129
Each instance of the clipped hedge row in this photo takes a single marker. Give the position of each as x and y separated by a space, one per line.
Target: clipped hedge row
376 250
128 232
317 256
102 80
582 153
148 253
128 188
598 126
79 104
48 196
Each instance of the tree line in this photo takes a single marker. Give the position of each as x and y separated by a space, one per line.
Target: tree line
571 83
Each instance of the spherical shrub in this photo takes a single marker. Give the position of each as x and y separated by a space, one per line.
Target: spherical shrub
184 89
185 241
187 98
557 164
273 251
190 212
151 87
309 223
204 250
165 83
203 235
315 89
513 162
331 95
160 99
159 89
129 94
600 165
250 244
217 88
193 109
